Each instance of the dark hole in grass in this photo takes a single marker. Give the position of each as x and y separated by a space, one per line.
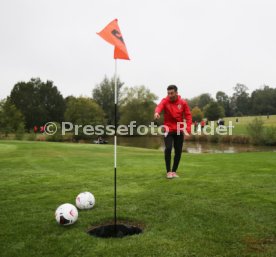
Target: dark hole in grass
121 230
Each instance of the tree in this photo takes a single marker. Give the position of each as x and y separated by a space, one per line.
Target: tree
11 119
197 114
224 101
240 100
139 92
83 111
137 105
204 99
200 101
213 111
39 102
263 101
103 94
193 102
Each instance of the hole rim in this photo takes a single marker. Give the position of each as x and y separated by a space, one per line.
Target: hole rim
125 223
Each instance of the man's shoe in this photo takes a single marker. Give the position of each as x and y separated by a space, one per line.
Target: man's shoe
169 174
174 175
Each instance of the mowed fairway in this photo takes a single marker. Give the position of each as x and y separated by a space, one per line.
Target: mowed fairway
222 205
240 127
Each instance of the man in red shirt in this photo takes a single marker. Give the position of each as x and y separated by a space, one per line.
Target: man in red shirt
175 111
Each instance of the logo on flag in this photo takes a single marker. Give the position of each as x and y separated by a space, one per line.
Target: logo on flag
112 34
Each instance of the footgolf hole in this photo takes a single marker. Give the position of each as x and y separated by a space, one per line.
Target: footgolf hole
109 230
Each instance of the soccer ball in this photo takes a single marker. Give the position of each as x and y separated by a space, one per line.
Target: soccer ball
85 201
66 214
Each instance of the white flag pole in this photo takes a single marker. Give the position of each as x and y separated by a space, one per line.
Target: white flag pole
115 148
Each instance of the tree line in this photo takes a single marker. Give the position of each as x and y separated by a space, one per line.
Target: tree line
34 103
261 101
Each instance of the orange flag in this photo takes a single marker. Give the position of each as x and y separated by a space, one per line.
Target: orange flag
112 34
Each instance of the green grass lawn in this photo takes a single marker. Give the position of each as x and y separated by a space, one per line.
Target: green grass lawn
222 205
240 126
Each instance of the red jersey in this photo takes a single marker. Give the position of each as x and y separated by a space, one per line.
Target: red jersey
175 112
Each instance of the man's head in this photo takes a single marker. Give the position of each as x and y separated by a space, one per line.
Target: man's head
172 92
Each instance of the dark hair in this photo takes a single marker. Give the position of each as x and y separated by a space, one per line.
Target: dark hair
172 87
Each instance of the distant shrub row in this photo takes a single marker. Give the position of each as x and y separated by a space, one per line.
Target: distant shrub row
258 135
219 139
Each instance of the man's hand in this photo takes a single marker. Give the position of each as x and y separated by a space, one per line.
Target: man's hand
156 116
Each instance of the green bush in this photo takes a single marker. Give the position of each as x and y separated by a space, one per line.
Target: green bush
19 134
240 139
214 138
239 114
202 138
226 139
57 136
256 131
190 138
31 136
270 136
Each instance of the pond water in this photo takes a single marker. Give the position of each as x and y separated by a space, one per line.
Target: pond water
156 142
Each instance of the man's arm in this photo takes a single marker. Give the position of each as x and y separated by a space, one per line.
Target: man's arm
188 117
159 108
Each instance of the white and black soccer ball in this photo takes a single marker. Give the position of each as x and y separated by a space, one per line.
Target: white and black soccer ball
85 201
66 214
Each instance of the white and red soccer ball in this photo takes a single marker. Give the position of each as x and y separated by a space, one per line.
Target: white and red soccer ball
66 214
85 201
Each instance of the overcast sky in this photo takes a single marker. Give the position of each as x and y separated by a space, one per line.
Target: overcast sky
201 46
